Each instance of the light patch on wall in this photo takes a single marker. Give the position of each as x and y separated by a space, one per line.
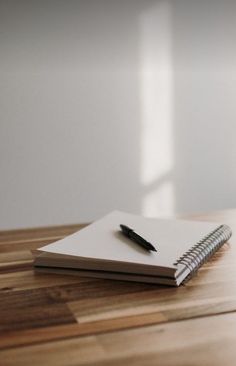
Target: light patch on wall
159 201
156 100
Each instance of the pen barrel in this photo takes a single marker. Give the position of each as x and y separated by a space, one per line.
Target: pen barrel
131 234
139 240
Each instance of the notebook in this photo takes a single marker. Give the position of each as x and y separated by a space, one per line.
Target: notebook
101 250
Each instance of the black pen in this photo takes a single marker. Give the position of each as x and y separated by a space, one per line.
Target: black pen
129 233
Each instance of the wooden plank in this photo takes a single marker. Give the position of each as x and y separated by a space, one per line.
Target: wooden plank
23 280
110 324
14 257
171 304
108 305
78 316
204 341
50 334
35 317
22 245
84 289
50 232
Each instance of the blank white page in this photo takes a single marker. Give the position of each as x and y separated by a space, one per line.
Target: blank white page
103 240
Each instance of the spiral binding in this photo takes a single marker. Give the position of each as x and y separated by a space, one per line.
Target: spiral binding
199 253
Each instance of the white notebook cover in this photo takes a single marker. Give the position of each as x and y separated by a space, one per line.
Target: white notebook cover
101 246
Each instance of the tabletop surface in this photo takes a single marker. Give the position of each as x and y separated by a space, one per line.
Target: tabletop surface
49 319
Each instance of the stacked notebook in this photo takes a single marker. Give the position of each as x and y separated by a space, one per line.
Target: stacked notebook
101 250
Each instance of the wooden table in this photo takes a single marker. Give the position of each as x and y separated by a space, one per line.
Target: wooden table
48 319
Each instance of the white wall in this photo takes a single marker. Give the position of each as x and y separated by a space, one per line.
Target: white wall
115 104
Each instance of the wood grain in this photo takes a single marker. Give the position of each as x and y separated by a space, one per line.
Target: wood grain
204 341
65 320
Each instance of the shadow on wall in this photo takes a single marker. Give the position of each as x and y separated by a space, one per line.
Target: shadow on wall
188 83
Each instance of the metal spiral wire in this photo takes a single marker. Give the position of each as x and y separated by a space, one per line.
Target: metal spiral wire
199 253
